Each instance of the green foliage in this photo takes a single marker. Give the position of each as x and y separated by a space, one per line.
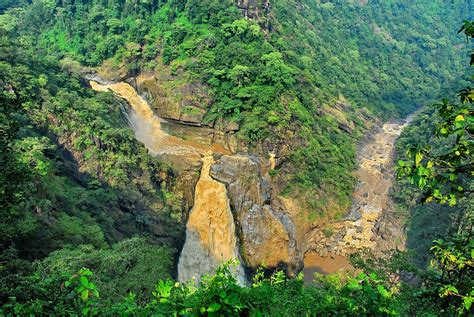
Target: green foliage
455 260
133 265
297 55
468 29
72 172
220 295
85 292
444 174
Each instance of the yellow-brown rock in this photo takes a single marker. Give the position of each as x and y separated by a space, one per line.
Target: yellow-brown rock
265 233
210 231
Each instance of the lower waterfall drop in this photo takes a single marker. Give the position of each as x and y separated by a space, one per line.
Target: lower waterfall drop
210 231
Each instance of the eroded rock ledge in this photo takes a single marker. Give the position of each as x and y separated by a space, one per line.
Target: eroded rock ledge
266 234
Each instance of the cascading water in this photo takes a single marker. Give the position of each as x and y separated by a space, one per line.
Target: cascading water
210 231
147 126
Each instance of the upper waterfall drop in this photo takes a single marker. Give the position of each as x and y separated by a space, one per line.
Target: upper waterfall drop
210 232
147 125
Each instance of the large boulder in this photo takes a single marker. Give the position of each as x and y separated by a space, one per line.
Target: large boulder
266 235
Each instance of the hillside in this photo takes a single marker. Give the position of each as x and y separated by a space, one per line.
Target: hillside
286 73
246 113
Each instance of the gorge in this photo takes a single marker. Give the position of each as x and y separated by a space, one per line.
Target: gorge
211 234
146 145
224 221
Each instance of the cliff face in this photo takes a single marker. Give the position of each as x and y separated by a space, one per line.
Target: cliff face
233 207
265 234
254 9
175 97
183 103
233 215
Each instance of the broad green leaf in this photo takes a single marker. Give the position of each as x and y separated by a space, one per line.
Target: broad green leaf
383 291
422 182
214 307
418 158
84 295
468 302
84 280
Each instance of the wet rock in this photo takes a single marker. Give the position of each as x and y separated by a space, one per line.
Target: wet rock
265 233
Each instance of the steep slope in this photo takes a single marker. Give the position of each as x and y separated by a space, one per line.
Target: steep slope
73 174
274 69
288 85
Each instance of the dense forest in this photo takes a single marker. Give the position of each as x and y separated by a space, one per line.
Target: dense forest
260 71
91 223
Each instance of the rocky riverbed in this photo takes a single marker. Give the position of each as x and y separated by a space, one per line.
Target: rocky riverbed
372 222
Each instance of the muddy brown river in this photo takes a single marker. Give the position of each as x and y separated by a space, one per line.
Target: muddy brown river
370 200
210 227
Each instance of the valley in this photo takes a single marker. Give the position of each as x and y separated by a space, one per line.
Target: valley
207 158
371 222
212 237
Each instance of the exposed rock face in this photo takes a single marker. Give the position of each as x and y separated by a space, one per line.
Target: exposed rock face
236 203
265 233
184 103
174 98
254 9
183 154
210 232
236 212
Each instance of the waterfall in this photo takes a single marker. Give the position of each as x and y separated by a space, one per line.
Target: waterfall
210 232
